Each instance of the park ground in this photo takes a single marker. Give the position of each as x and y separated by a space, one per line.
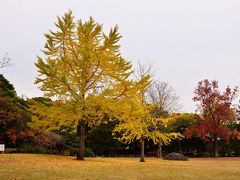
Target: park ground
33 166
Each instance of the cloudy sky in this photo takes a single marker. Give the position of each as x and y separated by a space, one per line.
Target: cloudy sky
184 40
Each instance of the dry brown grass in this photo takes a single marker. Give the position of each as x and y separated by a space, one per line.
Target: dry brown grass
31 166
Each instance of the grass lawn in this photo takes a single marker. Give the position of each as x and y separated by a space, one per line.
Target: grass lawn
32 166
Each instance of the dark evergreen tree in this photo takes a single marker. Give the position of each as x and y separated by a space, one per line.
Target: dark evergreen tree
14 114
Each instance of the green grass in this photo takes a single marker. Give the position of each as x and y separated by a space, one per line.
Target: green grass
32 166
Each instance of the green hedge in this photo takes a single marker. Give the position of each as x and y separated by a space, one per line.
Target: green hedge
33 149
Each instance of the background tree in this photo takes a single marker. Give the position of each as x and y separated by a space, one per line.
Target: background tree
233 148
101 141
5 61
216 110
14 115
83 69
45 114
165 101
188 146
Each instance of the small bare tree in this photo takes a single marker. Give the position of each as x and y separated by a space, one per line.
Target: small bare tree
165 101
5 61
164 97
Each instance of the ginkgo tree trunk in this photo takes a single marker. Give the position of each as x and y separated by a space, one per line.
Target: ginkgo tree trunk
83 69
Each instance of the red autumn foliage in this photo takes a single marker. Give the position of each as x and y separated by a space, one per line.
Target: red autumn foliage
216 112
12 121
37 138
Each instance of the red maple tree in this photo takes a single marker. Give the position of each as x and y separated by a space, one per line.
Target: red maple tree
216 112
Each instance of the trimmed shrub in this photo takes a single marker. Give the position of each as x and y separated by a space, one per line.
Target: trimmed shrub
73 151
87 152
33 149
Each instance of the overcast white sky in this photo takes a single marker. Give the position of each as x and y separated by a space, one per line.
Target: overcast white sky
185 40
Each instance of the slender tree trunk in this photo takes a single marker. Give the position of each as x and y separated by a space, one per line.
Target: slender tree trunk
80 155
142 150
159 151
224 150
215 146
180 146
51 143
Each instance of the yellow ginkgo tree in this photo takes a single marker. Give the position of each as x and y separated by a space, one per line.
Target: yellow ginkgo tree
138 122
83 71
134 121
141 125
160 134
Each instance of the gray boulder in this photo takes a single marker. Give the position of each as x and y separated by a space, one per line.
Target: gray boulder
176 156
